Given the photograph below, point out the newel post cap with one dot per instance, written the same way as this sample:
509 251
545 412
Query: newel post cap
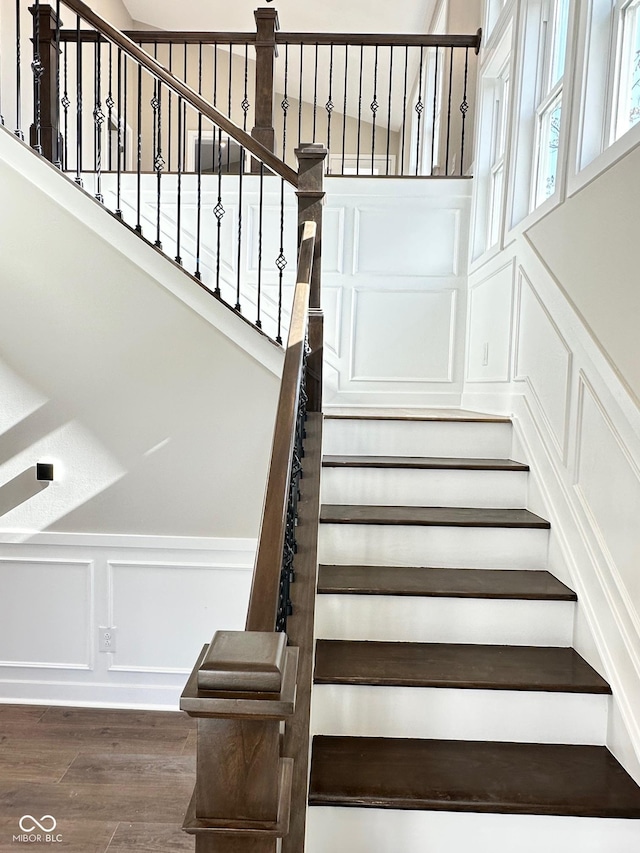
244 662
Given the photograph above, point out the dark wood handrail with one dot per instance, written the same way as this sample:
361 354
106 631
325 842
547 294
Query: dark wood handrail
182 90
263 601
351 39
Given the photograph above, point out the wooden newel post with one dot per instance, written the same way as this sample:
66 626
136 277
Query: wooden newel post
311 164
242 686
49 113
266 27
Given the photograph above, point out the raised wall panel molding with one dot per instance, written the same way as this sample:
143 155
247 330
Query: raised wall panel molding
496 323
163 609
332 299
400 252
543 359
607 486
37 593
417 355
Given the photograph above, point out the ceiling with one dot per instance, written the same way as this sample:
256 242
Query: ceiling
351 16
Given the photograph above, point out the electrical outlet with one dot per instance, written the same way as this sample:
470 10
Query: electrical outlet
485 354
106 639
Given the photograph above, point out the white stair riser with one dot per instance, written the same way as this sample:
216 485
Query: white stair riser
416 438
360 830
402 487
456 714
444 620
400 545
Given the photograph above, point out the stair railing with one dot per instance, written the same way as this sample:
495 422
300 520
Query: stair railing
112 116
251 787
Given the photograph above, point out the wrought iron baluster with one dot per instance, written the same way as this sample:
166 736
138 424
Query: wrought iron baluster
446 158
464 108
329 106
419 108
374 109
139 163
300 94
169 111
119 152
98 117
38 70
229 105
66 103
179 193
245 101
435 108
58 154
404 109
285 102
344 108
260 213
389 105
110 104
239 269
315 93
359 110
158 165
18 131
154 106
125 138
78 104
219 211
198 273
281 263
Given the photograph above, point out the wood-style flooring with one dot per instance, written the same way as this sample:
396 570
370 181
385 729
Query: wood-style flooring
116 781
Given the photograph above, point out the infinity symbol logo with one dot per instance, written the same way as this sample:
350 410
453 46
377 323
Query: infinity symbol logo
42 824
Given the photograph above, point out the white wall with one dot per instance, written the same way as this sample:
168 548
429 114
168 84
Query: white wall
152 400
394 290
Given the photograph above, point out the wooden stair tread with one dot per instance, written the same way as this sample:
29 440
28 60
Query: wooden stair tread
423 462
443 582
455 666
431 516
471 776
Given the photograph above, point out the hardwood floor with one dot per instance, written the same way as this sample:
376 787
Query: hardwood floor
116 781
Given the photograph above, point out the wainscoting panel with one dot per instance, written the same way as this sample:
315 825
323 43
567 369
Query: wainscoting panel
37 598
162 597
543 360
490 328
165 612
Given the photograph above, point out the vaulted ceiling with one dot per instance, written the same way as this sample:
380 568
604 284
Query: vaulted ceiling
352 16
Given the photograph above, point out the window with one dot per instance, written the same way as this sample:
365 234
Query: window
498 147
555 21
628 95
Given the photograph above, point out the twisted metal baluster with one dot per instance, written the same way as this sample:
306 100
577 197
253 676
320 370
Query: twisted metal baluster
219 211
38 70
78 177
419 108
329 106
281 263
58 155
98 118
374 109
285 102
464 108
18 131
158 165
110 104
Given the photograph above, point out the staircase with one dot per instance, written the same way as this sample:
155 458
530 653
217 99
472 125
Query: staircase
449 709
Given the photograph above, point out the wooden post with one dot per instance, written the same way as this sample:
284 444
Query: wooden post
266 27
241 687
311 157
49 115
